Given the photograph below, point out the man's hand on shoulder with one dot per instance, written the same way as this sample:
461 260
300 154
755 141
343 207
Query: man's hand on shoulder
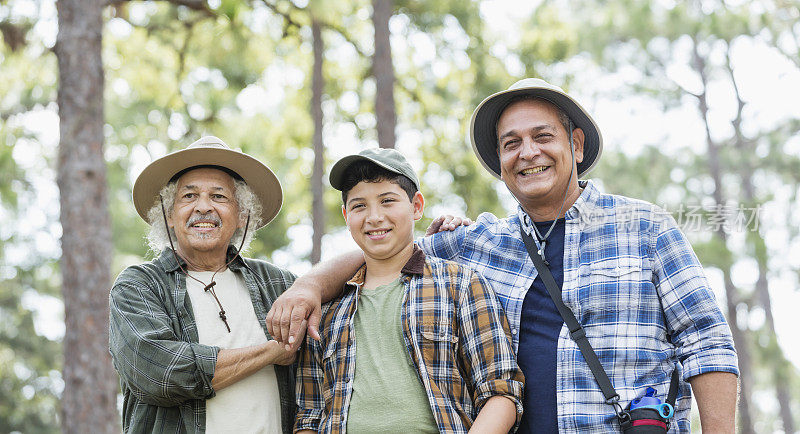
445 223
300 307
295 310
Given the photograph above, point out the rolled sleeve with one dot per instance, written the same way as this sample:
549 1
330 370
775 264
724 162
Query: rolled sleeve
696 324
511 389
158 367
486 348
310 403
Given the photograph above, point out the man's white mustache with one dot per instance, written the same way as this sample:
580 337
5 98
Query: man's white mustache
210 218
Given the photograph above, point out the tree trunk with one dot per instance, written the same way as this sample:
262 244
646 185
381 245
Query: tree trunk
317 87
740 337
742 344
780 366
88 403
383 71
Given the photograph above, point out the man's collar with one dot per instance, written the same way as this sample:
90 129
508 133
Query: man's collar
586 202
414 265
582 205
169 260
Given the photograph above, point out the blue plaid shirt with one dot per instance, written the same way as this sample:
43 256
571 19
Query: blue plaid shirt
633 282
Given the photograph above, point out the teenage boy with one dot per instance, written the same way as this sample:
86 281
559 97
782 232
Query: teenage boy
414 343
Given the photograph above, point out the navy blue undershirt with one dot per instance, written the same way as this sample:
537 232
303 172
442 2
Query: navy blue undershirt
540 325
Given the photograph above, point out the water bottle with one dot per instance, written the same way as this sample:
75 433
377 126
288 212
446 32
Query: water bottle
649 400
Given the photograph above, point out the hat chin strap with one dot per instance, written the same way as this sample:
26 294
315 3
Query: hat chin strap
210 286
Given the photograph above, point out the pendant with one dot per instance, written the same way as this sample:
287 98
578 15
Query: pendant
542 245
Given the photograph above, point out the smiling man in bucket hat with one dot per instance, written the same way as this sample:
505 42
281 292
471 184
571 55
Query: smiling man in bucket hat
187 332
624 268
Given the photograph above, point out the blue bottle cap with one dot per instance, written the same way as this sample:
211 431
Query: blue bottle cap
648 400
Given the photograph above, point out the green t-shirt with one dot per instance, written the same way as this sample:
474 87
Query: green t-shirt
388 395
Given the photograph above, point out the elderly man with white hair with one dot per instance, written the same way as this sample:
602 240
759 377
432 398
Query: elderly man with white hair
187 330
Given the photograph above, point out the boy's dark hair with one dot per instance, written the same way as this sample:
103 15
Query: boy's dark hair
365 171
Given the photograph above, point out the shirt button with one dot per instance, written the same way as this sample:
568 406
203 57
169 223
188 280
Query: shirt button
513 331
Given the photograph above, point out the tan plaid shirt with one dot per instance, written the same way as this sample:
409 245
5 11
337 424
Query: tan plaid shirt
455 332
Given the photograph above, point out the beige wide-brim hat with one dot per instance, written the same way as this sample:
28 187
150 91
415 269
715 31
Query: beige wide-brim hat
483 126
209 151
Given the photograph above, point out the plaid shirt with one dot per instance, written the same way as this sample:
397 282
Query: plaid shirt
633 282
165 374
455 333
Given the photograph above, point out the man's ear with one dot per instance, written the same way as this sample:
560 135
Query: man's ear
497 151
578 138
344 214
242 219
418 202
169 222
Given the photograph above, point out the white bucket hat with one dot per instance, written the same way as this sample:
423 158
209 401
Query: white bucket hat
483 126
209 151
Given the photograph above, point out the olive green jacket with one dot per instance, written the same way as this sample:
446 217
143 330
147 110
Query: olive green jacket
165 374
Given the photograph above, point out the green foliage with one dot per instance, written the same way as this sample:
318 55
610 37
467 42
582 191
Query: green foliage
642 176
9 173
438 106
547 38
30 379
241 70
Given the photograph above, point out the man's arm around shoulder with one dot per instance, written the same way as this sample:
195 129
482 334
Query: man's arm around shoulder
301 305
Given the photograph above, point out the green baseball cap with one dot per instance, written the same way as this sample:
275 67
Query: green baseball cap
389 159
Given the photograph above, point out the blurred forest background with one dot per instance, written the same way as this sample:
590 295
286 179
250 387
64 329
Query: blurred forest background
697 101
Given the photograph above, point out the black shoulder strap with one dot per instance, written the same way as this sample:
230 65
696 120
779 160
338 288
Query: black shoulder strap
578 334
672 395
575 330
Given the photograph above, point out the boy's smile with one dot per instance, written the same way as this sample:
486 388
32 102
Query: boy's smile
380 218
378 234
